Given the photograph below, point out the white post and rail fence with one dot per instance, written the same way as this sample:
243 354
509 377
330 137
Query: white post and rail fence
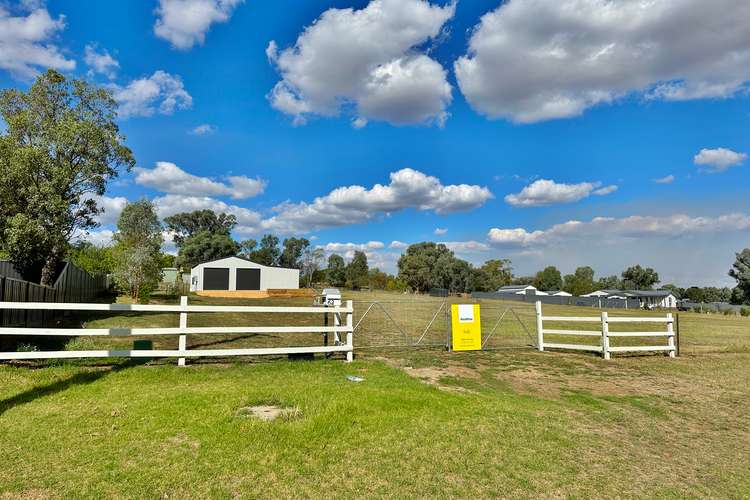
604 334
341 331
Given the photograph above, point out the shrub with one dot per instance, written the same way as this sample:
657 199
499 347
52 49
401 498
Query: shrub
728 312
745 311
144 295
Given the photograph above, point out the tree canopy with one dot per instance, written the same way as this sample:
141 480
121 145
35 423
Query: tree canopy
202 236
741 272
60 148
548 278
137 248
357 272
639 278
336 273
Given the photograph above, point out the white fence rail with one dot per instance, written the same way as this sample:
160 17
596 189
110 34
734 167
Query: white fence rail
340 329
604 334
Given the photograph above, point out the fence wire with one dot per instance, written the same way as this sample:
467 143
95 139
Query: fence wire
425 323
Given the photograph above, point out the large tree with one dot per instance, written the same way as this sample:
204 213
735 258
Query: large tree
357 272
548 278
310 263
580 282
205 247
137 249
494 274
268 252
294 248
639 278
202 236
187 224
336 272
741 272
422 265
60 148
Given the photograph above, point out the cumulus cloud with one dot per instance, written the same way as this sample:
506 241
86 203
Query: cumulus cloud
548 192
356 204
351 247
439 231
203 129
398 244
159 93
368 59
100 62
718 160
667 179
184 23
248 221
26 42
169 178
609 228
111 206
534 60
467 247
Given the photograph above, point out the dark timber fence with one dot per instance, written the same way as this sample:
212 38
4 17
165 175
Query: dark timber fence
72 285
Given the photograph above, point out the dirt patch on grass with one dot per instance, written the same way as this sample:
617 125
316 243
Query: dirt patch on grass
268 413
436 376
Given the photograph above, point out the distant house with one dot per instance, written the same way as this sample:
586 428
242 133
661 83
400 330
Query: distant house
647 298
521 290
235 274
559 293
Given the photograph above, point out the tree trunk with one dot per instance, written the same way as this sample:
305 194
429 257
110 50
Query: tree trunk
48 271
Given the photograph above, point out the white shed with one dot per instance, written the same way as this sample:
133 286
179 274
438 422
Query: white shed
235 273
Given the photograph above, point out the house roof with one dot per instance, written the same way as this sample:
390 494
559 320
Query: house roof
244 259
516 287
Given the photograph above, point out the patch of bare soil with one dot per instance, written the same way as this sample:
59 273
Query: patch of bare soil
268 413
433 375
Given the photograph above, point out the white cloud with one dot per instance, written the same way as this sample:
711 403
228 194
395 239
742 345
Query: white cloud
159 93
608 229
100 62
668 179
203 129
248 221
718 160
100 238
351 247
355 204
548 192
169 178
112 206
184 23
26 43
368 59
534 60
440 231
467 247
398 244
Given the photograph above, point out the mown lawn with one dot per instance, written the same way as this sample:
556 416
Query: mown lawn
424 423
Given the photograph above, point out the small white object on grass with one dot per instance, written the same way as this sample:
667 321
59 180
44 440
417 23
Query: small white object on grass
352 378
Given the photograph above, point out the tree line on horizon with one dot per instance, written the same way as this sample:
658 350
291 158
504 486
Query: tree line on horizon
62 145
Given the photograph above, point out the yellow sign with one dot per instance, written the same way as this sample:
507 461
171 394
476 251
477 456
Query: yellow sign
466 328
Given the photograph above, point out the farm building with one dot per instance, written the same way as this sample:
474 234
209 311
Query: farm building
648 298
521 290
236 274
559 293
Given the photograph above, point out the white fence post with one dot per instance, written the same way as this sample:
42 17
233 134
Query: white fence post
182 344
539 326
670 331
605 335
350 331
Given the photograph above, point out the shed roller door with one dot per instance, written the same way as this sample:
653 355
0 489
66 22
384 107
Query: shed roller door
216 278
248 279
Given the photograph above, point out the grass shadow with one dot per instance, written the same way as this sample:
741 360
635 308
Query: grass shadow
60 386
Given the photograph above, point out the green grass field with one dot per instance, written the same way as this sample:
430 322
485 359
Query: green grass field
504 422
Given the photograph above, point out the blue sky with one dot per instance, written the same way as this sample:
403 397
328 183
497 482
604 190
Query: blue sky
531 132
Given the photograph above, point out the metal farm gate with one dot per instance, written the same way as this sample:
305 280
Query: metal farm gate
423 322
